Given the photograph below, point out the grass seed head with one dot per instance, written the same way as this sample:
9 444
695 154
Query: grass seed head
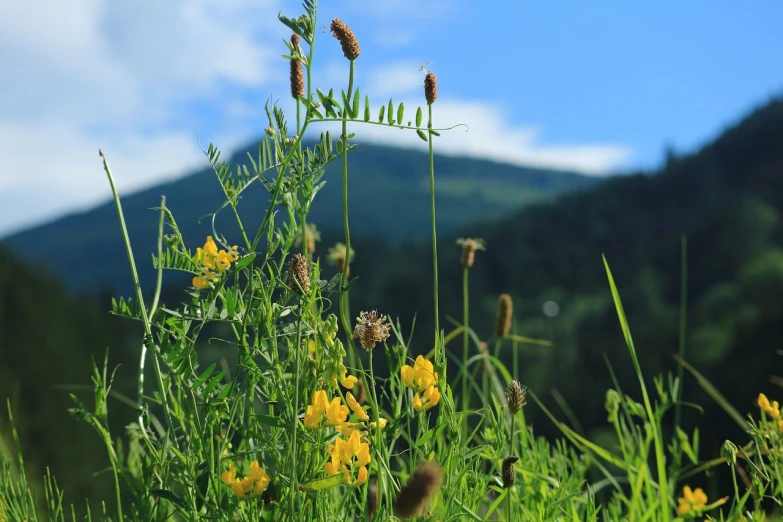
297 75
507 473
516 396
299 273
469 247
347 39
413 498
503 319
430 88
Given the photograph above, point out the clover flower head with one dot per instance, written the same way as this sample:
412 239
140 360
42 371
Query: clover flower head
371 328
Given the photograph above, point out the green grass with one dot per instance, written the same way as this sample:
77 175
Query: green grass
278 429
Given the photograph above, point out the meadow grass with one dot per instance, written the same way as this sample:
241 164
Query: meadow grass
321 413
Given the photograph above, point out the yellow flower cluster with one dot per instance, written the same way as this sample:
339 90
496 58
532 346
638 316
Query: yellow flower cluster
254 484
336 412
691 501
772 409
212 262
422 378
349 457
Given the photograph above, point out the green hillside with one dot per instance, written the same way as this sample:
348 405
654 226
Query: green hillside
389 198
726 199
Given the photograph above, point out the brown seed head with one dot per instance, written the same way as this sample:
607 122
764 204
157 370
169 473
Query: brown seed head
507 472
469 247
359 392
371 329
297 76
516 396
430 88
347 39
299 273
503 319
337 255
413 498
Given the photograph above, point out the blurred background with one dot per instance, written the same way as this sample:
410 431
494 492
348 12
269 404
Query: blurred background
611 129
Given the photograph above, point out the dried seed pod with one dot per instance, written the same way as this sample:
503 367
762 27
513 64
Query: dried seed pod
503 319
370 329
469 247
299 273
347 39
413 498
507 472
430 88
516 396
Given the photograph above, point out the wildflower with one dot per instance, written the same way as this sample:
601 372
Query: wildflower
420 376
430 88
337 255
503 319
349 457
349 381
314 411
771 409
347 39
371 329
414 496
516 396
469 247
255 483
356 407
297 77
212 262
691 501
336 412
299 273
428 399
507 472
381 422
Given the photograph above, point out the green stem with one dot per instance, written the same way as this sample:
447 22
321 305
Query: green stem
142 308
440 355
465 345
295 423
344 304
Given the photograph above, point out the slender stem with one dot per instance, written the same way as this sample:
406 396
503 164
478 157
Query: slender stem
465 345
294 428
440 355
344 304
683 325
142 308
159 282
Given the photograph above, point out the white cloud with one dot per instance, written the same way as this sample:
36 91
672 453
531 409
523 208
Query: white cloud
124 76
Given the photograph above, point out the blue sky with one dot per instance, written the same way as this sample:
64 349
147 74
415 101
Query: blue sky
600 87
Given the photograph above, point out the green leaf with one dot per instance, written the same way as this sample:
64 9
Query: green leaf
435 133
400 113
268 420
418 117
422 135
428 435
366 108
322 483
245 260
390 113
204 376
355 107
170 496
381 113
715 394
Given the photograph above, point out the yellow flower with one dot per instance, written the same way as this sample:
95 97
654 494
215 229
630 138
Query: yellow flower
383 422
349 457
773 410
348 381
428 399
314 411
255 483
211 260
691 501
356 407
336 413
763 402
420 376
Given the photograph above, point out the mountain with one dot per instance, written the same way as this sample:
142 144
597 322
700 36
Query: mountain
725 198
388 195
